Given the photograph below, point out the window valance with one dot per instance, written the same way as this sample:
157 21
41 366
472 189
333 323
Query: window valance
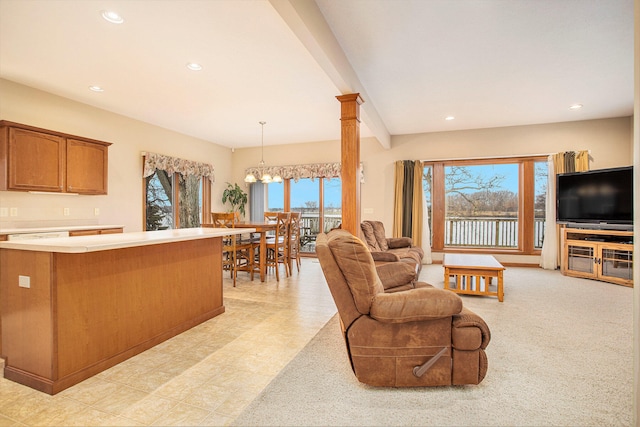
297 172
153 161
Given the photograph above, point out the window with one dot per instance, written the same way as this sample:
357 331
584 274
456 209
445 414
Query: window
318 200
159 201
332 206
488 203
177 192
540 202
305 198
275 196
190 196
160 211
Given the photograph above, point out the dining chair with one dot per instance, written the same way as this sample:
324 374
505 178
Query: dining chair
236 254
293 251
277 245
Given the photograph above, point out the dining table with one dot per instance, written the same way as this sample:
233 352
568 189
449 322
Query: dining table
262 228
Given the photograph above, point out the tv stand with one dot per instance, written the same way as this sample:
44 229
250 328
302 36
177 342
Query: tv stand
599 226
605 255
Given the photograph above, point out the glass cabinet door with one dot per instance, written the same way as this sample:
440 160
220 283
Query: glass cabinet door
617 263
580 258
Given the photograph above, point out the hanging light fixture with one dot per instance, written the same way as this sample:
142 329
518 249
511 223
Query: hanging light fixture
265 178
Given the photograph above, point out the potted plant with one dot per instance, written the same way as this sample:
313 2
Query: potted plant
236 197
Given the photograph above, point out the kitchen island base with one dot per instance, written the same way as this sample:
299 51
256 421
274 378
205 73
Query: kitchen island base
86 312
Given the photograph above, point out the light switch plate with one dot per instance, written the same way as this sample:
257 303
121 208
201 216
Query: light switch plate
24 281
4 211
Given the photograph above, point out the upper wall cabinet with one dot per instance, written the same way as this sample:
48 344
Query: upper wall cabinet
33 159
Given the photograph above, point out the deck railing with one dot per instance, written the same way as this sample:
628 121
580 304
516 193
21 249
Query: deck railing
488 232
477 232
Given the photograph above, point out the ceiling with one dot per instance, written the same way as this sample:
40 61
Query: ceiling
488 63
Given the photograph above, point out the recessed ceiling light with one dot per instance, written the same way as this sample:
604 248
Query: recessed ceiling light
575 107
193 66
96 88
112 17
449 118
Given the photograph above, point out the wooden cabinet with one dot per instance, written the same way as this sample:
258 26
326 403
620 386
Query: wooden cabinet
75 320
87 170
605 255
34 159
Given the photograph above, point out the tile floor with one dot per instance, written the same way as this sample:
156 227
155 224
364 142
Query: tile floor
205 376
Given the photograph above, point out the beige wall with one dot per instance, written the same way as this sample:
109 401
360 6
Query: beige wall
123 204
610 142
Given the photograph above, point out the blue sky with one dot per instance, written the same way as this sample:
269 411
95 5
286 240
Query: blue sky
306 190
508 171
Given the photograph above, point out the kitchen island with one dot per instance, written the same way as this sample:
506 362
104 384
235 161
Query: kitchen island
72 307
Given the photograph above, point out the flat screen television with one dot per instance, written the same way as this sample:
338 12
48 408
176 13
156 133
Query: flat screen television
601 197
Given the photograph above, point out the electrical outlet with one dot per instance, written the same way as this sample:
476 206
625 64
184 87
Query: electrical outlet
96 211
24 281
65 212
368 210
14 212
4 211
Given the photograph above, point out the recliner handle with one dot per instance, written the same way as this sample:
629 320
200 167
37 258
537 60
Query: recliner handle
419 371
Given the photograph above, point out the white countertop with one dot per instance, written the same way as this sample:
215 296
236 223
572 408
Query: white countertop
57 228
103 242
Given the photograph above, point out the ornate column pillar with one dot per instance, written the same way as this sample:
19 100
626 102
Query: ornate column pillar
350 158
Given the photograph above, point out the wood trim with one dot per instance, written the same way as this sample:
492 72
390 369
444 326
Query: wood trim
206 201
287 195
437 206
350 157
526 205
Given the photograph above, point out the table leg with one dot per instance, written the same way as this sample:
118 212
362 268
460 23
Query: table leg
263 255
500 287
446 277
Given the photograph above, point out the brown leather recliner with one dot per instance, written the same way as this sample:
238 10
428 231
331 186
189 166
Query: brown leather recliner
390 249
419 337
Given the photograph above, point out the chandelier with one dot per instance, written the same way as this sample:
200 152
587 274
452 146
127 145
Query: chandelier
265 178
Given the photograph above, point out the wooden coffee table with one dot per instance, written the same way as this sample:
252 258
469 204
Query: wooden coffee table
473 274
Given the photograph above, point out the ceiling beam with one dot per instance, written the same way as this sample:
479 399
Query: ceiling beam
306 21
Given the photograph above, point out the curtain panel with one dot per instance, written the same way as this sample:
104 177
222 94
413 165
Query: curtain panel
408 211
153 161
564 162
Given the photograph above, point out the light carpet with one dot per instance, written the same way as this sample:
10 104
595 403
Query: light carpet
560 355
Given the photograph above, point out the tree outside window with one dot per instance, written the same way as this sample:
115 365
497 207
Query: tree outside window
161 212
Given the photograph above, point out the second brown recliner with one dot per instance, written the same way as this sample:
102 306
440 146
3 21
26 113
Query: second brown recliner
390 249
418 337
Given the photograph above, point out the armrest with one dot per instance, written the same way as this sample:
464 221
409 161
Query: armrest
385 256
415 305
468 319
399 242
396 274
